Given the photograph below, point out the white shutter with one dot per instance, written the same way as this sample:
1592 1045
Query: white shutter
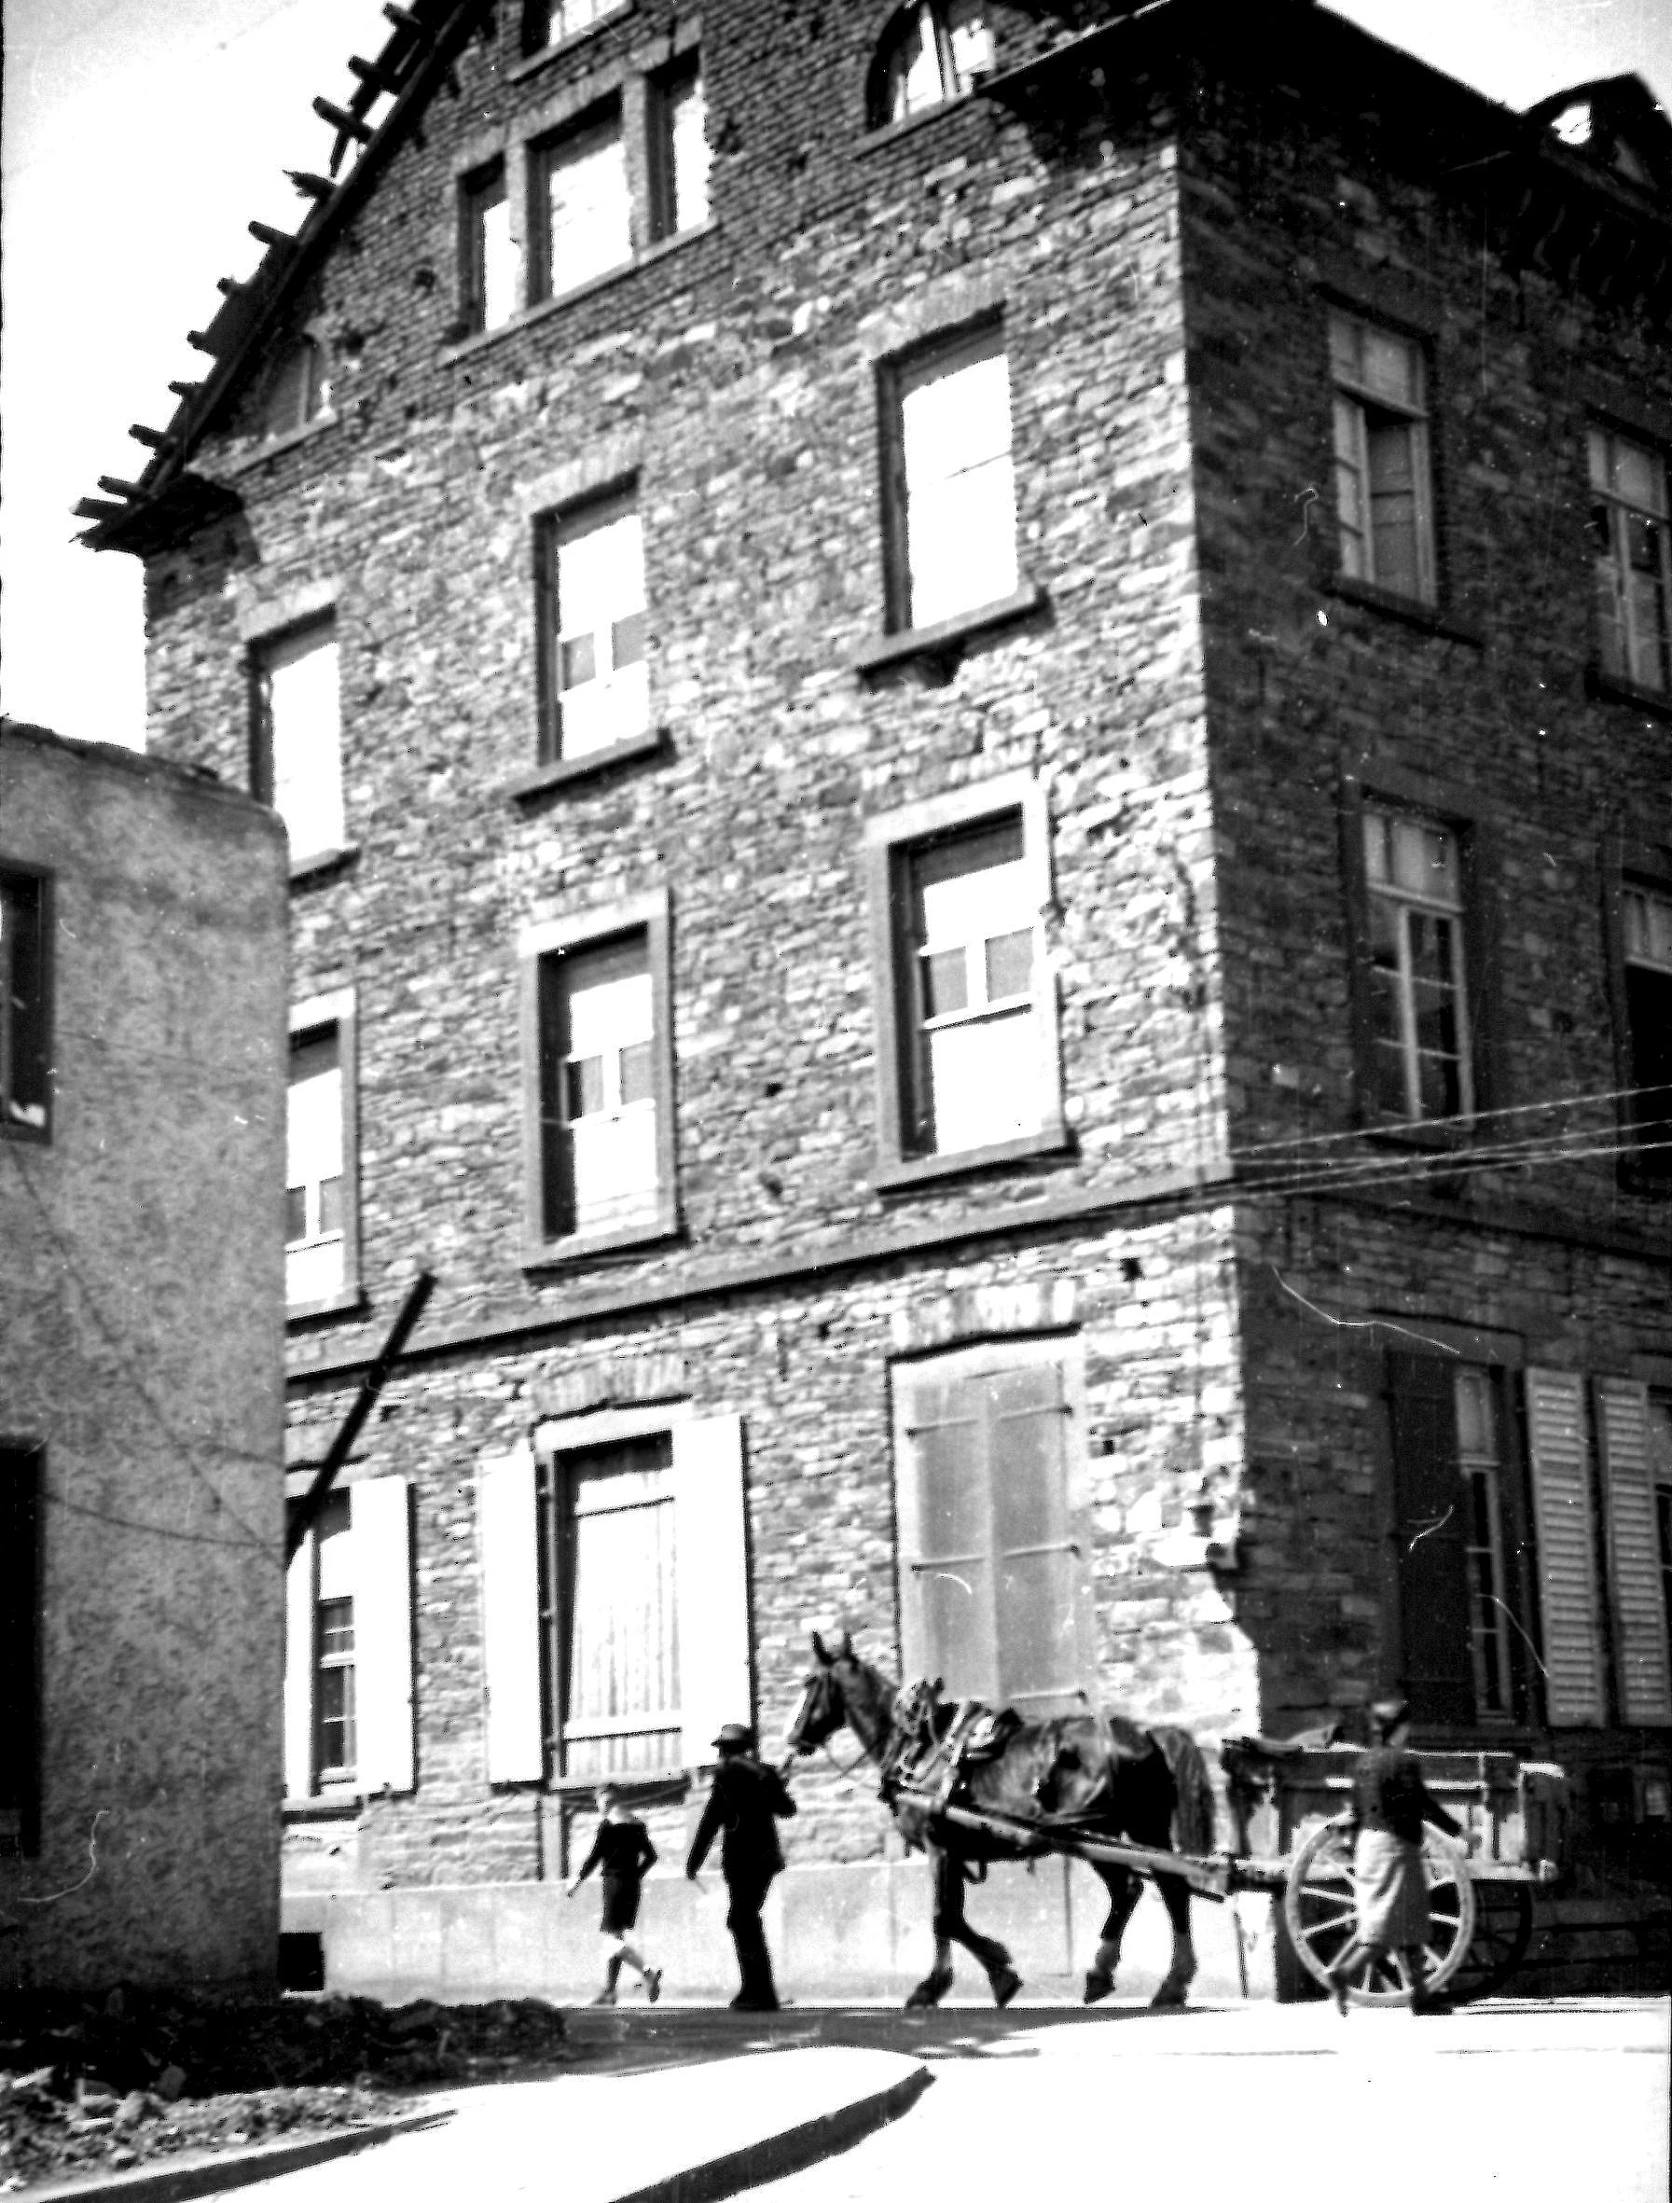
506 1514
299 1671
713 1581
1633 1553
1561 1463
382 1633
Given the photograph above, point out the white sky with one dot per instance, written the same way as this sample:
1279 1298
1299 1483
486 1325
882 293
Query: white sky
141 137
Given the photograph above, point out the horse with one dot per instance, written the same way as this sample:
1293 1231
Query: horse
1099 1773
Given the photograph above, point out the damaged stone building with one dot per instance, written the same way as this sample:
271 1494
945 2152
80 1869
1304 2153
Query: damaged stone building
975 713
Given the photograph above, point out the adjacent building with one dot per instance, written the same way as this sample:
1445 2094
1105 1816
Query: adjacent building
975 708
142 1005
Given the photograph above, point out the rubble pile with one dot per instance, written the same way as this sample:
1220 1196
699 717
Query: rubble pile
89 2085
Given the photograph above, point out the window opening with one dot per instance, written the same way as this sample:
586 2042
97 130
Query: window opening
1418 1014
315 1237
490 257
299 390
299 738
953 488
598 680
25 1069
1383 489
679 152
598 1102
582 210
1630 541
933 52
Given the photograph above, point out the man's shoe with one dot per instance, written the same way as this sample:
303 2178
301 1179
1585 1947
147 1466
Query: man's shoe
604 1996
754 2004
653 1982
1338 1992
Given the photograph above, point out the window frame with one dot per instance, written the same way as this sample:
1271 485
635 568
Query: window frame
880 77
1626 678
318 1014
1631 867
1354 392
647 914
1474 827
541 153
661 88
604 11
888 840
481 188
260 648
895 372
42 1045
22 1627
614 500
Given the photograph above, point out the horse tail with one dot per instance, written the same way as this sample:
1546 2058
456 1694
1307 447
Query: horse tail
1193 1810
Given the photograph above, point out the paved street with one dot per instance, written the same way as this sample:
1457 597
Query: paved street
1523 2102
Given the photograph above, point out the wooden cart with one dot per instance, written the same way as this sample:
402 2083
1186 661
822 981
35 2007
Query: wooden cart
1289 1837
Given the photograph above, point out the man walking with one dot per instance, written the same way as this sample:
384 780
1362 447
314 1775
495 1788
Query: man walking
1390 1883
746 1802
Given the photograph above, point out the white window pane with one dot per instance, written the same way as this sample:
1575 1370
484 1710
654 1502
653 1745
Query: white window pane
304 724
972 41
1344 348
498 263
915 76
961 544
688 146
605 711
971 906
615 1168
1639 477
587 207
1392 366
313 1273
1474 1413
1648 929
955 418
600 573
314 1129
610 1015
985 1080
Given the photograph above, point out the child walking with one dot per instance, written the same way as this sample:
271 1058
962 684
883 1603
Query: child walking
623 1853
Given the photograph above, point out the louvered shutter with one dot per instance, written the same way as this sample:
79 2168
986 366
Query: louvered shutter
1035 1554
508 1526
1560 1454
1640 1645
380 1519
946 1535
1431 1531
712 1579
299 1671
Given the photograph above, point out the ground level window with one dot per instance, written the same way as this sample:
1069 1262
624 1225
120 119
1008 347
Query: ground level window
610 1609
334 1737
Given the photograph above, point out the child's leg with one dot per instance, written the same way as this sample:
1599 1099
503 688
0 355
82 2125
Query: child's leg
632 1957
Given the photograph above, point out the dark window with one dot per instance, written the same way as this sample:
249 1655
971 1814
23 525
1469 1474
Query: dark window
20 1631
1383 490
610 1609
1632 555
299 389
679 159
25 1004
1459 1541
931 52
1648 993
488 259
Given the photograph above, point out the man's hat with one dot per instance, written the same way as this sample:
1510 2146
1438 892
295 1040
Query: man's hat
735 1734
1388 1713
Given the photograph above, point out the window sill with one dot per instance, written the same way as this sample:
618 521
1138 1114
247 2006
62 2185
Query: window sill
916 1170
328 1805
889 133
532 64
351 1300
35 1135
560 1254
561 771
946 638
274 447
1613 688
321 862
479 340
1412 610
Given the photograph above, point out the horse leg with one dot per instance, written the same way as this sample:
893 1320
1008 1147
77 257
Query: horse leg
1175 1895
951 1920
1124 1889
938 1980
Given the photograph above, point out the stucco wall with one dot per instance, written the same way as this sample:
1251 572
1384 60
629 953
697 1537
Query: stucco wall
140 1347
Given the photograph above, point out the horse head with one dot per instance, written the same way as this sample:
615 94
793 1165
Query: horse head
841 1689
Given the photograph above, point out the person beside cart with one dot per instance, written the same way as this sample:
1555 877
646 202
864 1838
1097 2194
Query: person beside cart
623 1853
1390 1882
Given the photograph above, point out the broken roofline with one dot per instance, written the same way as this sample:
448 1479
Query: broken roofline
425 43
429 36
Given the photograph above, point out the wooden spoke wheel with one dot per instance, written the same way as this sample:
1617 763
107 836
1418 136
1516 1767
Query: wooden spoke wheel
1503 1930
1318 1910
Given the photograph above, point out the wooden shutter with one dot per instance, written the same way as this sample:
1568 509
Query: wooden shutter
299 1671
1640 1644
1036 1557
511 1617
711 1560
946 1534
1560 1455
378 1510
1430 1529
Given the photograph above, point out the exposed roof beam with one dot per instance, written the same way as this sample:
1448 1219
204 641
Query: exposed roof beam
345 124
310 185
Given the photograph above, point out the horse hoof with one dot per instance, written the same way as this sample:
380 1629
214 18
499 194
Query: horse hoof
926 1996
1168 1998
1098 1986
1005 1985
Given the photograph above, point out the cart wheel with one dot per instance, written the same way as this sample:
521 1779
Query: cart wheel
1318 1910
1503 1930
